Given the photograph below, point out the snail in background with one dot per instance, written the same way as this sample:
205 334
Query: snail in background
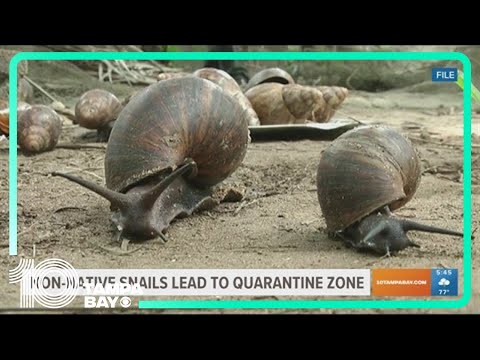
5 115
97 109
169 146
24 97
270 75
362 176
276 103
38 129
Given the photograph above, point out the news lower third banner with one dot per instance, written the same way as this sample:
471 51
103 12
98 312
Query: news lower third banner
55 284
208 282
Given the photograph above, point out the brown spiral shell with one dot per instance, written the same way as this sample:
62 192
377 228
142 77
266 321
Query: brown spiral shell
267 101
364 170
170 121
334 96
39 128
276 103
4 117
5 114
96 108
275 75
230 85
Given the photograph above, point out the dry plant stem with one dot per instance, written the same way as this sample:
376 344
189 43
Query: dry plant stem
39 88
81 146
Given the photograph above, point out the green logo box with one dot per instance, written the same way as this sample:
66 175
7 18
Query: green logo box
315 56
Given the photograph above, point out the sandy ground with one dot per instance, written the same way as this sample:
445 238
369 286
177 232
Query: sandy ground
279 225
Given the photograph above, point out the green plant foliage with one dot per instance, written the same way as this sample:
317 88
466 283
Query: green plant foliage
475 91
173 48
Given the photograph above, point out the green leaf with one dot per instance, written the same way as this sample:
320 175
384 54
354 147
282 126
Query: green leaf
475 91
173 48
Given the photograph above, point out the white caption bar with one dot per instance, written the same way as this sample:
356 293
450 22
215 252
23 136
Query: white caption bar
221 282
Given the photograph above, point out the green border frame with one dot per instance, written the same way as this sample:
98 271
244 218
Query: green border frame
257 304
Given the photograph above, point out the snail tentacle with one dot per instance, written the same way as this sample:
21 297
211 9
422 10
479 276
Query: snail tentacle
408 225
117 199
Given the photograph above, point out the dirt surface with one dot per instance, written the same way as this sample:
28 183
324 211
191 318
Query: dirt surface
278 224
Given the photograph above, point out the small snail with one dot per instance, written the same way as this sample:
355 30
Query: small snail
170 144
364 175
97 109
275 75
276 103
5 115
39 128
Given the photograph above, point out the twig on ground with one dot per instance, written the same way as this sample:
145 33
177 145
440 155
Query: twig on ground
244 204
81 146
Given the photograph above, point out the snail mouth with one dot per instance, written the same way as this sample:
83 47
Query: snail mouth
179 199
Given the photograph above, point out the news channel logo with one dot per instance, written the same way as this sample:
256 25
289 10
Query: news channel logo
52 283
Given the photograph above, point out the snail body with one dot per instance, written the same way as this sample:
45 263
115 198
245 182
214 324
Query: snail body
276 103
170 144
38 128
97 109
364 175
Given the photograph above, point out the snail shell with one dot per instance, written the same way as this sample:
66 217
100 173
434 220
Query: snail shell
230 85
172 120
96 108
171 143
275 75
5 114
364 170
39 128
286 104
334 96
267 101
364 175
